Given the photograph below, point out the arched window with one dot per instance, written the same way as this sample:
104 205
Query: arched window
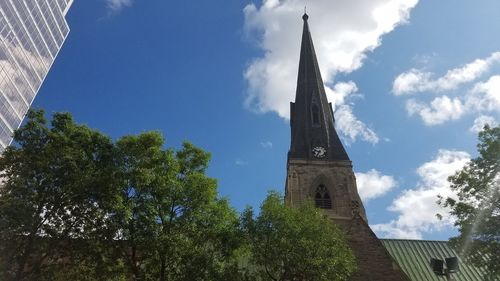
315 114
322 198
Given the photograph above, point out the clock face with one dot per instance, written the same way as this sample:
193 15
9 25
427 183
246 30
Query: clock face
319 152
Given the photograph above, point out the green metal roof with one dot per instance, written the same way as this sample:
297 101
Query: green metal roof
413 256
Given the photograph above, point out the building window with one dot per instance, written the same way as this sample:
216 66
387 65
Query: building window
322 198
315 114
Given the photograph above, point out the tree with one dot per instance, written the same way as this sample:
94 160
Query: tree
175 226
477 205
295 244
57 184
75 205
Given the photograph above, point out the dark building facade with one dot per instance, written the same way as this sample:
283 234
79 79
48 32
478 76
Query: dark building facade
319 168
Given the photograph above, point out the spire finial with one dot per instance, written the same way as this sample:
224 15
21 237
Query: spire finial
305 16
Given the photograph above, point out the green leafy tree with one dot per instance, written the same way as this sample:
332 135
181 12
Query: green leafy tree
295 243
477 205
175 226
56 186
76 206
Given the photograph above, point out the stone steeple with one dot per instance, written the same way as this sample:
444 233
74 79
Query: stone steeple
311 116
318 165
319 170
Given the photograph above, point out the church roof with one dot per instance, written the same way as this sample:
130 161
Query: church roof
413 256
311 93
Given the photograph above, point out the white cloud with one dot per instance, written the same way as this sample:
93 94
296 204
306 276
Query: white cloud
440 110
481 121
417 207
341 92
343 32
117 5
346 122
410 81
373 184
415 81
351 128
266 144
484 97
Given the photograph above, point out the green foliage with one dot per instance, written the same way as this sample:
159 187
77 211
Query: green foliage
296 244
176 226
74 205
477 206
56 186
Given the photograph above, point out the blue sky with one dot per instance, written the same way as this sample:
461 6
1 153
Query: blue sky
410 80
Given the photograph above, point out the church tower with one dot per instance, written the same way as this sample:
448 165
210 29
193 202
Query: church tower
319 169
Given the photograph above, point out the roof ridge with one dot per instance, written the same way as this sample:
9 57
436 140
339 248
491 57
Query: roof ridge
423 240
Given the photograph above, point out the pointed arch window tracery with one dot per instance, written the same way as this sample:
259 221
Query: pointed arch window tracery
322 198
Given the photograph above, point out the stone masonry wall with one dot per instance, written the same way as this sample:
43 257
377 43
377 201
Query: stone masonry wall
373 260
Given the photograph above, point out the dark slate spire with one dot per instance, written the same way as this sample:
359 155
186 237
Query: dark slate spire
311 116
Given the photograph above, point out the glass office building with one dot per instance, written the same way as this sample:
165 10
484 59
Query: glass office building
31 34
